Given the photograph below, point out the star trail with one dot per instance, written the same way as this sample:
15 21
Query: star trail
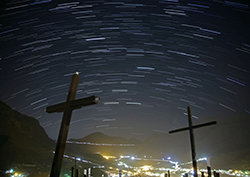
146 60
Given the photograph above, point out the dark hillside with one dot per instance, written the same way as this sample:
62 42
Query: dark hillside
23 141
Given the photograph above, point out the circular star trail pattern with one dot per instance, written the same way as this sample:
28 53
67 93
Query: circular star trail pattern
146 60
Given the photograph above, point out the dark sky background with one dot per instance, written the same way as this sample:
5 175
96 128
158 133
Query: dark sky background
147 60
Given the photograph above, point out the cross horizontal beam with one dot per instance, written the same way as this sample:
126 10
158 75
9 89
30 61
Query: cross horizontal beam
195 126
75 104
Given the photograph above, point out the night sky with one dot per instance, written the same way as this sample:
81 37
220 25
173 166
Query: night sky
147 60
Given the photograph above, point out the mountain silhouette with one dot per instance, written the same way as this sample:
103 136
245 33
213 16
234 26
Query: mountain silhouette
25 146
23 141
99 143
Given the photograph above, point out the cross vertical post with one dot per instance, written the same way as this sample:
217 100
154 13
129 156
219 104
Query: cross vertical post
67 107
191 134
62 137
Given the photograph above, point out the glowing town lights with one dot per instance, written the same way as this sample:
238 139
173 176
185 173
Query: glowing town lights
9 171
151 170
175 164
191 171
149 173
109 157
162 175
120 164
146 167
202 159
190 162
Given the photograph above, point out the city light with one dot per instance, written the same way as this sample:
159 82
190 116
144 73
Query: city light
108 157
151 170
9 171
14 174
146 167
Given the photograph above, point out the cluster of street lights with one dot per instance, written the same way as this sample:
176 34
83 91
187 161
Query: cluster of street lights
12 173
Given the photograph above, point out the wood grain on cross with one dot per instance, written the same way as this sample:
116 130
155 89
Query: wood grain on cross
67 108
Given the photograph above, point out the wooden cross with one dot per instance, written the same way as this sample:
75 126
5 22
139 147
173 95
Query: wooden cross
191 133
67 107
